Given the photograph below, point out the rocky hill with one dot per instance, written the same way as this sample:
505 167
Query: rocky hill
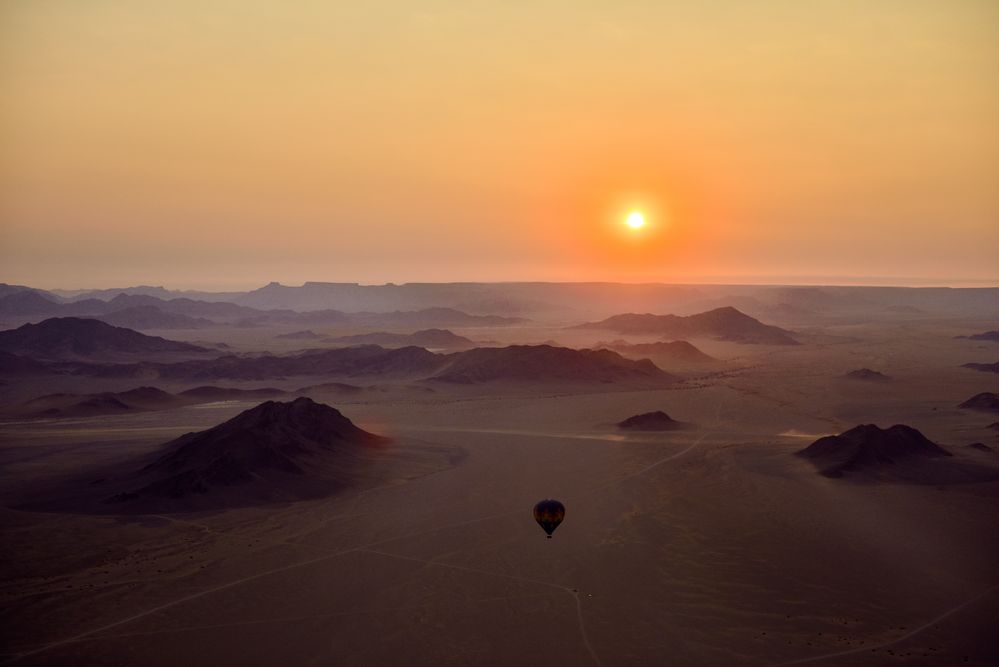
725 323
73 338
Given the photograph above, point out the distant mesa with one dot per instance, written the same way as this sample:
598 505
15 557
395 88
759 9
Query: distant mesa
985 368
986 335
982 447
436 338
727 324
650 421
985 401
546 364
869 448
73 338
867 375
677 350
307 334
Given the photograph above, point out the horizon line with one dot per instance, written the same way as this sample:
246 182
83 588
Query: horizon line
713 281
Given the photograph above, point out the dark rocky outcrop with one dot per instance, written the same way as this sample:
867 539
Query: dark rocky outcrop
725 323
985 401
867 375
650 421
985 368
870 448
274 451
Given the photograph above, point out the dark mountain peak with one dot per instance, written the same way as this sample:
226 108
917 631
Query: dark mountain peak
650 421
302 415
264 449
986 401
868 447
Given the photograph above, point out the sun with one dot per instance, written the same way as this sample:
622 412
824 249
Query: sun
635 220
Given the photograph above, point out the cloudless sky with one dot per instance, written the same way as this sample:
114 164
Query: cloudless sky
227 143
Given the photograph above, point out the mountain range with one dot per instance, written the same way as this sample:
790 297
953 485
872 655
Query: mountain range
72 338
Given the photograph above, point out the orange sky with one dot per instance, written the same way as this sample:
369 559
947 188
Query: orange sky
226 144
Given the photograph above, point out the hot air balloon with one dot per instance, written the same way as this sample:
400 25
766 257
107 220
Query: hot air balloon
549 514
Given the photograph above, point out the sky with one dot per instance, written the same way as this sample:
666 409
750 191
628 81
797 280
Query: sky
228 143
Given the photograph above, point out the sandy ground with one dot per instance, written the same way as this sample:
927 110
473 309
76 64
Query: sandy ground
709 546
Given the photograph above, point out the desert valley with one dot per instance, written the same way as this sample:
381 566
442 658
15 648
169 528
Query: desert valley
344 474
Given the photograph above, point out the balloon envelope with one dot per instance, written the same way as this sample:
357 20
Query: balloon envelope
549 514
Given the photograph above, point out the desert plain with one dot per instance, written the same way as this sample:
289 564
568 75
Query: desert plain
709 544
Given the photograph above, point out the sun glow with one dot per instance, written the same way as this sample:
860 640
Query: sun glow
635 220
